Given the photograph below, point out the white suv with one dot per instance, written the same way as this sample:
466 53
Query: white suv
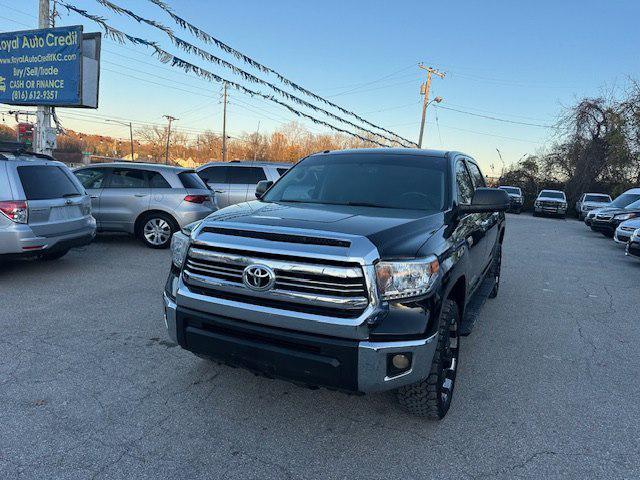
44 210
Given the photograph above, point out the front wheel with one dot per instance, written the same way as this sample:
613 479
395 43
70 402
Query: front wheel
496 269
431 398
156 230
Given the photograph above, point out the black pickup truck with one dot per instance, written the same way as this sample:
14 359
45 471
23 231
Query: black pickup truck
358 271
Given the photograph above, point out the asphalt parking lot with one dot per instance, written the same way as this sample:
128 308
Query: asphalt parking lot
548 387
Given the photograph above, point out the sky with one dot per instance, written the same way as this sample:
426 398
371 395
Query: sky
513 60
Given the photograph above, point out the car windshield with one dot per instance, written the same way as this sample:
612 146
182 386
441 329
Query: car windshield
625 199
597 198
550 194
511 190
633 206
413 182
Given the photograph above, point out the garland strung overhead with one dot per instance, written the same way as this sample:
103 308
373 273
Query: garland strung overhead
205 37
192 49
166 57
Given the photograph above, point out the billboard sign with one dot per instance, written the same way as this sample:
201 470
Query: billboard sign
42 67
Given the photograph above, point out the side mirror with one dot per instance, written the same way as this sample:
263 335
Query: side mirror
487 200
263 186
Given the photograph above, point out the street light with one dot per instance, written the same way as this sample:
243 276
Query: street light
126 124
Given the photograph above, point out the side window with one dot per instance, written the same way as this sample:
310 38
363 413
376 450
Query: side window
214 174
260 175
91 177
156 180
244 175
465 186
123 178
476 175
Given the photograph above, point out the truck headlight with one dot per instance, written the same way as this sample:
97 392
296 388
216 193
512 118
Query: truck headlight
636 236
404 279
625 216
179 248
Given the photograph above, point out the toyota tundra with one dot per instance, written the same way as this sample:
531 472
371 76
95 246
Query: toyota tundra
359 271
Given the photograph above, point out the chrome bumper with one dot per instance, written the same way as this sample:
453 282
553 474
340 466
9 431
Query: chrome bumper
372 356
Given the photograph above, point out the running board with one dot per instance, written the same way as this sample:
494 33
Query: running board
472 312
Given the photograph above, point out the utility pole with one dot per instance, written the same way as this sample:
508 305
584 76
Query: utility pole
257 143
426 102
501 161
126 124
166 150
45 137
224 123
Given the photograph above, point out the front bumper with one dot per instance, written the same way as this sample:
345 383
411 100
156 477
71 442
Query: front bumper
607 227
555 210
310 359
633 249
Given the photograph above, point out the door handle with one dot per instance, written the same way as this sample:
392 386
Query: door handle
140 195
218 191
94 196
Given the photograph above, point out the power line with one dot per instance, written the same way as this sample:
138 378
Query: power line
504 120
167 57
193 49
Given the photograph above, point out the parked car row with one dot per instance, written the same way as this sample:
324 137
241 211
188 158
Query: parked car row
554 202
619 220
46 209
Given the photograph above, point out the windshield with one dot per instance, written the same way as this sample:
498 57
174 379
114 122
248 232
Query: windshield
633 206
550 194
625 199
511 190
597 198
413 182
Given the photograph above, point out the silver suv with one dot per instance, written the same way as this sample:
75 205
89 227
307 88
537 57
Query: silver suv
149 201
235 182
44 211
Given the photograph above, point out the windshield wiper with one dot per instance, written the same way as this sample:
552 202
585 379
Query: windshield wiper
67 195
364 204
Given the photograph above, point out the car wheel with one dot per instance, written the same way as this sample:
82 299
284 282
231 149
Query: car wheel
47 256
156 230
535 214
431 398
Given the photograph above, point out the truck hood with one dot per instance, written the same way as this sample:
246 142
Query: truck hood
394 232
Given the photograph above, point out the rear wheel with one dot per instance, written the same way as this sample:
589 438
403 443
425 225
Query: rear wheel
53 255
156 230
431 398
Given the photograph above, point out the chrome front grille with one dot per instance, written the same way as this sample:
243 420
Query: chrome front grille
299 282
604 217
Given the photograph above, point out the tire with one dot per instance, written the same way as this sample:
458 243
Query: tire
536 214
155 230
431 398
48 256
496 269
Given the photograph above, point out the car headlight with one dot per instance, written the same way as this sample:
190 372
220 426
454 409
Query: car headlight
404 279
636 236
625 216
179 248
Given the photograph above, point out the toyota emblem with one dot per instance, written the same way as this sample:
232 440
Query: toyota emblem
258 277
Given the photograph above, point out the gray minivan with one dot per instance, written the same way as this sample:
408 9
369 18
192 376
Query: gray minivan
235 182
150 201
44 211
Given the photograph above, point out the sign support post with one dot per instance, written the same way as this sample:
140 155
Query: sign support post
45 141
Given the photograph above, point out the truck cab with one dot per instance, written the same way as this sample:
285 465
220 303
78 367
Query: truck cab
359 271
